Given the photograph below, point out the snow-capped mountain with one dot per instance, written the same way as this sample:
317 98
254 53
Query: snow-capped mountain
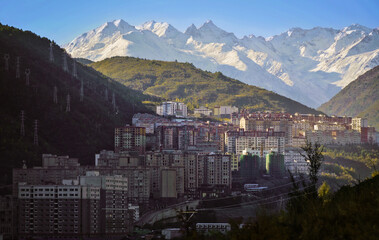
309 66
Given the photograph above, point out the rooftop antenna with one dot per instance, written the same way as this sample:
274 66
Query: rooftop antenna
68 107
22 130
6 58
51 58
36 132
65 68
55 95
18 67
81 90
27 75
74 72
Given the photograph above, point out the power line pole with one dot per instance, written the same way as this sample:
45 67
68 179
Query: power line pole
184 217
55 95
74 72
68 107
114 102
65 68
18 67
6 58
22 129
81 90
106 94
36 132
51 58
27 74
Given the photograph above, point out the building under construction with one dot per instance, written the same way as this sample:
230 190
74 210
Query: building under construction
249 167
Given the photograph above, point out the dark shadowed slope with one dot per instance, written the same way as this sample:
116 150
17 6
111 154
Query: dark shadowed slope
86 129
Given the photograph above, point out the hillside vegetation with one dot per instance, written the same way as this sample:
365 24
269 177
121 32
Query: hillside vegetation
349 213
359 98
182 81
85 130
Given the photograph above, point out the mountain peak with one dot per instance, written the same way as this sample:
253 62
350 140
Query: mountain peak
147 25
357 27
209 22
323 57
116 25
191 30
209 25
159 28
119 22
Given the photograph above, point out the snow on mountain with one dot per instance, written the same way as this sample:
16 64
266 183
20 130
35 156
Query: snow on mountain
307 65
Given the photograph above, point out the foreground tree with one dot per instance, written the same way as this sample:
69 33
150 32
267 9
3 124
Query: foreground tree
324 192
313 155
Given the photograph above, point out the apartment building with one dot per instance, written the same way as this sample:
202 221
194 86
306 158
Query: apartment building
217 170
261 124
237 141
368 135
43 176
8 217
170 108
358 123
130 139
295 161
337 137
51 210
275 164
202 111
50 160
91 206
225 111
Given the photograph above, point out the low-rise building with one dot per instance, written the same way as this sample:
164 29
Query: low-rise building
202 111
213 227
224 111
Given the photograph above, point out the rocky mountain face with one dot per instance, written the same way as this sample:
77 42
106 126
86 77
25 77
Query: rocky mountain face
307 65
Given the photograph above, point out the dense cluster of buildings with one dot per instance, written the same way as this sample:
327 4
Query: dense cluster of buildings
300 128
179 109
170 160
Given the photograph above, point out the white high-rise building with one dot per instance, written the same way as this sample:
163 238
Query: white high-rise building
177 109
358 123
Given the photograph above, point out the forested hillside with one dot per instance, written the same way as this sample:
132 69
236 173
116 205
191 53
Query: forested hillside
358 99
81 132
174 80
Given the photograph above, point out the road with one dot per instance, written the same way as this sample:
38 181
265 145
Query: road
169 212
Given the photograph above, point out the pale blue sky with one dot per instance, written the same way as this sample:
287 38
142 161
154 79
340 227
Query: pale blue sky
62 21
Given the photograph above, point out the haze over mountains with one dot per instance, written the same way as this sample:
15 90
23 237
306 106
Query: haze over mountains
309 66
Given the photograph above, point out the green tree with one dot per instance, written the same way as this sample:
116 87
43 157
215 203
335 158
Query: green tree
325 192
313 155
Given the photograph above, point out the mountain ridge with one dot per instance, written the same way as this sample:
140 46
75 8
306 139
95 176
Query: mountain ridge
358 99
307 65
195 87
